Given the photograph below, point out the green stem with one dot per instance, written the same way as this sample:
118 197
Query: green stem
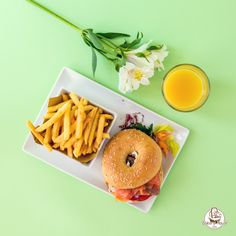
54 14
103 54
110 44
107 41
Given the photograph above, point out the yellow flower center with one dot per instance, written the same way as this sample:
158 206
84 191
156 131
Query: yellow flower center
138 74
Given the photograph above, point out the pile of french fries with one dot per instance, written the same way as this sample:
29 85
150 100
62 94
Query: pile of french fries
73 126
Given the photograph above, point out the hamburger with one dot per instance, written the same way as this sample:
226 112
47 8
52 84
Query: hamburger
132 166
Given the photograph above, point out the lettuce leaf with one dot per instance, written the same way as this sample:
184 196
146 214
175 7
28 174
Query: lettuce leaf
146 129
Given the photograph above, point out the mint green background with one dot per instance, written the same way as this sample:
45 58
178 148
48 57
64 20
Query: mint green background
36 199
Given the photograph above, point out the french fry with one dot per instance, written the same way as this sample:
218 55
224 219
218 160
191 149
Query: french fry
60 138
56 145
48 135
72 125
74 107
76 113
56 107
101 123
89 150
108 117
94 148
66 123
69 152
75 99
48 115
79 125
83 149
61 146
77 149
54 118
38 136
80 120
85 101
93 129
89 125
56 129
86 120
88 107
105 135
72 116
86 159
70 142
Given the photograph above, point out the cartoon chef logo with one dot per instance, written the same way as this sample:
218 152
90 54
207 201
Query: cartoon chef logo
214 218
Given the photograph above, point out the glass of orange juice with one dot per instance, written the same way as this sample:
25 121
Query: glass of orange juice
186 87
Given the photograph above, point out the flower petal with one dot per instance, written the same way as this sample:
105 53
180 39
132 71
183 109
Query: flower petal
158 56
135 84
145 81
139 61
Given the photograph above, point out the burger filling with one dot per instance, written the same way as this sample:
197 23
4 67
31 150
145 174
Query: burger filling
152 187
141 193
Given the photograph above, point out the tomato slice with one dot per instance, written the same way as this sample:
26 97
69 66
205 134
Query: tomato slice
140 197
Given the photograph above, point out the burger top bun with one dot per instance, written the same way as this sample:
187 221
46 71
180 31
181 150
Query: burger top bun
130 159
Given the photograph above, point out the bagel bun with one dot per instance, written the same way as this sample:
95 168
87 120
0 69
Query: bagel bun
131 159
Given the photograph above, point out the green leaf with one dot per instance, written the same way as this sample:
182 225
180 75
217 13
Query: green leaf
94 39
119 63
146 129
141 54
117 67
152 47
134 43
112 35
125 44
86 40
137 40
94 61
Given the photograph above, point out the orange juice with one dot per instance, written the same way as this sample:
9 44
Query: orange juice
185 87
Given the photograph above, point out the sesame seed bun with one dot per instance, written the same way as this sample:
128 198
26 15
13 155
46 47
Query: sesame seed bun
146 164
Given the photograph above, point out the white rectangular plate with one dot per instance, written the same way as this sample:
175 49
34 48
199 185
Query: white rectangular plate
92 174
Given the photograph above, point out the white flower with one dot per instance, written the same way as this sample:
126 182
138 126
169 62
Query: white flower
131 76
155 57
139 61
137 69
158 56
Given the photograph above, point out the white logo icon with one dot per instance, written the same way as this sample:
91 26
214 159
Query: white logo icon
214 218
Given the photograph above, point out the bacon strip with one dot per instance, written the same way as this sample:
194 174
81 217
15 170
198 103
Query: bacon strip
141 193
